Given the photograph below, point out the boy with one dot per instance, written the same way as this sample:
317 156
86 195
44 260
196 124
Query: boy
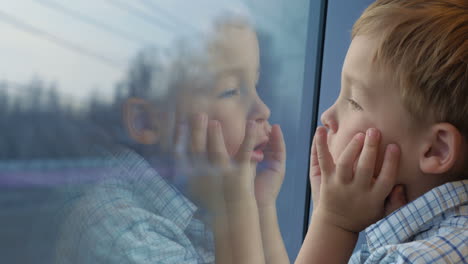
404 86
137 217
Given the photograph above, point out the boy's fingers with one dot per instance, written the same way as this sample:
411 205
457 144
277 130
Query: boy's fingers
366 164
314 163
217 152
199 125
245 151
314 174
324 157
387 177
345 164
313 152
395 200
277 147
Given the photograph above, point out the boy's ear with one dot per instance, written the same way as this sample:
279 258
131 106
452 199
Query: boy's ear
441 150
140 119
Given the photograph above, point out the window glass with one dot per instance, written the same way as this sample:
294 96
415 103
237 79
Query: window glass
98 105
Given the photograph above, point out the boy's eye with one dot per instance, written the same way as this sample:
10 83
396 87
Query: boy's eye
229 93
355 105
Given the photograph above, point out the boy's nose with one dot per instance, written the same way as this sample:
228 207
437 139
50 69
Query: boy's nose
327 120
261 112
323 119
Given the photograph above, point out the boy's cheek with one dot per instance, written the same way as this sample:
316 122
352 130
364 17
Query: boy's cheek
233 138
337 143
336 147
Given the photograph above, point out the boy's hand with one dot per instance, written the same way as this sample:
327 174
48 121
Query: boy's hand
240 174
394 201
230 197
315 174
270 175
204 182
350 197
218 177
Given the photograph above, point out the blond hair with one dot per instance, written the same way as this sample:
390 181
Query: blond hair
424 44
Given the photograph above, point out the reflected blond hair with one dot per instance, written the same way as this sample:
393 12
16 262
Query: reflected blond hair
424 44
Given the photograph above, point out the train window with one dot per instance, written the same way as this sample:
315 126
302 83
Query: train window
102 104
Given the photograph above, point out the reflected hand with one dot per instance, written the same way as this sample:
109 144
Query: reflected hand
205 185
240 173
216 177
270 177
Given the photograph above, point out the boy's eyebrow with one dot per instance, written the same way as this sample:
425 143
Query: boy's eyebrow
236 71
355 81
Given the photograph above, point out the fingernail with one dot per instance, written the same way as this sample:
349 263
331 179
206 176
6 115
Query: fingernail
359 136
214 123
392 148
320 131
372 133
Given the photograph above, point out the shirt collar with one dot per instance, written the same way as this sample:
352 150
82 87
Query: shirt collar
418 216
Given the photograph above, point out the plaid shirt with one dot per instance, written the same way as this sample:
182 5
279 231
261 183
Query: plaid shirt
431 229
133 216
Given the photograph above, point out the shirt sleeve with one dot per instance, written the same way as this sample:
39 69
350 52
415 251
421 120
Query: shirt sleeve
113 227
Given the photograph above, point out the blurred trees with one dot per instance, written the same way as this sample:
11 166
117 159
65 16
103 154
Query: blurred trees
35 123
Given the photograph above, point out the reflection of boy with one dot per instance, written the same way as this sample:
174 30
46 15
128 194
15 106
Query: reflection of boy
406 74
136 217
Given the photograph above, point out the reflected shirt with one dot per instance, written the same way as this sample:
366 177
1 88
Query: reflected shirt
133 216
431 229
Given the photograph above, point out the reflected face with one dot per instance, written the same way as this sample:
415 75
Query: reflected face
369 99
233 98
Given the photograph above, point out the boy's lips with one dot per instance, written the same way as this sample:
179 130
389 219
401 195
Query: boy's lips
257 154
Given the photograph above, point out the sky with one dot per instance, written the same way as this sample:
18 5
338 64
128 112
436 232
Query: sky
85 46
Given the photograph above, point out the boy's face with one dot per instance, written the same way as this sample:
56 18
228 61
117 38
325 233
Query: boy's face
233 99
370 99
